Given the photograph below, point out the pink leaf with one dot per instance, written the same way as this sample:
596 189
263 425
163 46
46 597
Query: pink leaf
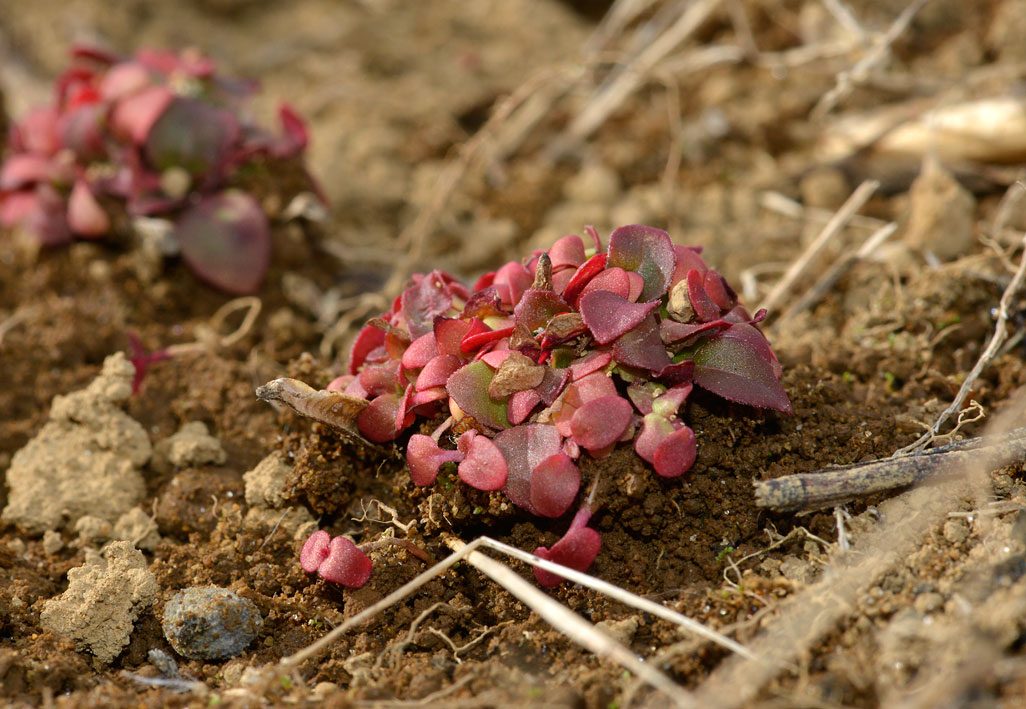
23 170
688 257
568 251
134 116
552 385
582 391
315 551
648 251
423 301
521 404
367 340
554 485
377 421
420 351
85 215
537 307
737 371
123 79
654 431
483 468
612 279
511 280
609 315
591 362
577 550
523 448
675 454
600 422
226 241
449 333
37 132
295 135
424 457
346 564
719 291
437 372
671 331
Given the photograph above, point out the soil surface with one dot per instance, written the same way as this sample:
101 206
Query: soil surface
728 146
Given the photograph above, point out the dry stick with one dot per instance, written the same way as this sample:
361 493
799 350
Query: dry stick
841 267
824 488
572 625
806 617
631 75
854 203
993 347
847 80
625 597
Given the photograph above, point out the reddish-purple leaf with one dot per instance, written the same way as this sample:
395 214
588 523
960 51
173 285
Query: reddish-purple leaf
591 362
688 258
22 170
675 454
637 286
377 379
642 395
377 421
577 550
554 485
537 307
427 396
346 564
85 215
719 291
587 270
484 303
670 401
437 371
134 116
671 331
123 79
523 448
614 280
642 347
315 551
521 404
367 340
226 241
701 303
511 281
81 131
600 422
609 315
753 337
423 301
425 457
449 333
483 467
734 369
579 393
295 136
568 251
648 251
420 351
192 135
468 387
654 431
475 340
552 385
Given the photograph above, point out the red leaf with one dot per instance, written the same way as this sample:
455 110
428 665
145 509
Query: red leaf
642 347
675 454
648 251
420 351
85 215
588 270
377 421
424 457
346 564
368 339
568 251
591 362
737 371
600 422
577 549
701 303
468 387
423 301
483 468
719 291
609 315
226 241
612 279
437 372
523 448
554 485
449 333
537 307
315 551
521 404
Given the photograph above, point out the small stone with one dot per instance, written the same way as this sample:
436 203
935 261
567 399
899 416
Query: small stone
139 528
53 542
210 623
323 690
265 482
928 602
191 446
622 631
956 531
941 213
92 531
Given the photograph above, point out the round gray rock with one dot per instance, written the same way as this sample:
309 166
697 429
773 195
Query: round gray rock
210 623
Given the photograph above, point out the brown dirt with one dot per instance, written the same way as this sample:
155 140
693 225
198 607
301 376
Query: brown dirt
391 88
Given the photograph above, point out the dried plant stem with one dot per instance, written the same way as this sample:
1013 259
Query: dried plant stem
849 79
997 339
855 202
841 267
572 625
824 488
629 76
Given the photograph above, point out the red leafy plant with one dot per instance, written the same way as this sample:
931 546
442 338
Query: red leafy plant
575 351
158 134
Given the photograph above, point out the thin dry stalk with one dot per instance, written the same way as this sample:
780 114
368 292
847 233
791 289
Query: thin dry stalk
572 625
997 339
838 270
849 79
806 617
630 76
854 203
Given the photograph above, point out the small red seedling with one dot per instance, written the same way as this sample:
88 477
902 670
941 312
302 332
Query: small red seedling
341 561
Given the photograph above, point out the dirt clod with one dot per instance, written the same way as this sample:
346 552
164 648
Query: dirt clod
210 623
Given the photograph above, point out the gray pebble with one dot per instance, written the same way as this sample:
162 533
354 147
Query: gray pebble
210 623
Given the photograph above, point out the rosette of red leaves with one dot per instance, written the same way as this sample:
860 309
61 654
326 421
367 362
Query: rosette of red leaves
158 134
575 351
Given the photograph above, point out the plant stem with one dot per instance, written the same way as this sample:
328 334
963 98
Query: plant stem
395 541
